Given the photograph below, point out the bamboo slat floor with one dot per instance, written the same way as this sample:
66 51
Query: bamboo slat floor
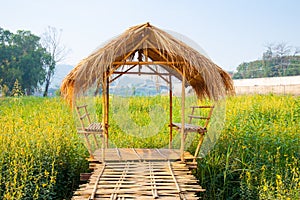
137 154
140 180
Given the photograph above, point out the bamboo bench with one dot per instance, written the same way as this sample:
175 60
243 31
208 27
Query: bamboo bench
89 128
198 128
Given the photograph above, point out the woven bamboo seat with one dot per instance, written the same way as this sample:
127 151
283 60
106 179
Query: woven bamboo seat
94 127
201 129
191 127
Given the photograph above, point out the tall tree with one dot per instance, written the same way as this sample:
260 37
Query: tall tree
32 60
51 41
21 58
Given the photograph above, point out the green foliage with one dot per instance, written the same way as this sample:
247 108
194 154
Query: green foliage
286 66
278 60
41 155
22 58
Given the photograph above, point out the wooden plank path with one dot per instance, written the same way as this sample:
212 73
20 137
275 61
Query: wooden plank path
139 180
138 154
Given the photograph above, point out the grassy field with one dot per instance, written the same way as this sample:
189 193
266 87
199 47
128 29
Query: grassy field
256 157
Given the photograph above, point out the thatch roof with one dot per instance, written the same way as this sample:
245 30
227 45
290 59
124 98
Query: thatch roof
152 45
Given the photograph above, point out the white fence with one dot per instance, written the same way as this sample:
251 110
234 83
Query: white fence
275 85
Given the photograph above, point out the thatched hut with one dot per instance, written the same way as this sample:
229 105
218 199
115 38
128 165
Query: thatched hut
146 45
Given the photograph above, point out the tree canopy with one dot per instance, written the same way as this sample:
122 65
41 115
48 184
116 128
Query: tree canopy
278 60
22 59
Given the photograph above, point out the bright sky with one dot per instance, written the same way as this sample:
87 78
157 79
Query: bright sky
230 31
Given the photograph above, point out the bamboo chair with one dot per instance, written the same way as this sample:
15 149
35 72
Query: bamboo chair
89 128
192 127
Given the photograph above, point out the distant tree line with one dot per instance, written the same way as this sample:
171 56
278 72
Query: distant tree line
278 60
28 61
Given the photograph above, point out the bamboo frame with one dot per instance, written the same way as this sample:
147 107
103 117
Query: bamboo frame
182 116
148 63
125 72
105 108
145 73
159 74
171 112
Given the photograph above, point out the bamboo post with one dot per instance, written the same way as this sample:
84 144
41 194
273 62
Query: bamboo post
171 112
107 109
145 50
182 116
104 108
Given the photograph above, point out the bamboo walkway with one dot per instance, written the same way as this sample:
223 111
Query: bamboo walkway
138 174
139 180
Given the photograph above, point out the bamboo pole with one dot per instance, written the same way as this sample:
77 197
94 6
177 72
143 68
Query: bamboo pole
148 63
145 73
171 112
121 73
92 197
107 109
155 72
145 47
182 115
104 108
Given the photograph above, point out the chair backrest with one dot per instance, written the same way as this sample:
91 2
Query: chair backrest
201 113
83 115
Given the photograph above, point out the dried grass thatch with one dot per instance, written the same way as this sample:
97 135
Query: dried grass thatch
152 46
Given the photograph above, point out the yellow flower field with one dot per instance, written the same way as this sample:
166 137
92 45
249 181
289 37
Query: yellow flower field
256 157
41 155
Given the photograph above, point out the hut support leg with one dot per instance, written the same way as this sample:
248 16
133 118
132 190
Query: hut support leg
182 116
171 114
105 108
